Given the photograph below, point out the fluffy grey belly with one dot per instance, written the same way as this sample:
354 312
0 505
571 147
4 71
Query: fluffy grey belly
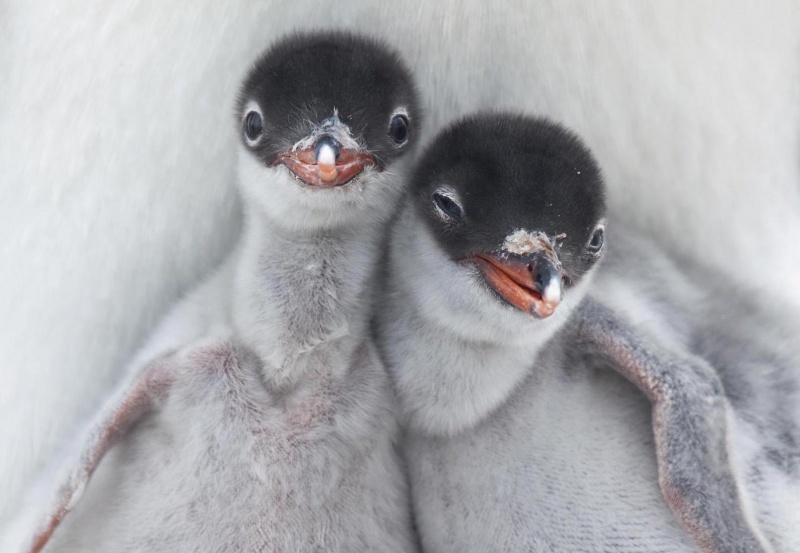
568 464
221 467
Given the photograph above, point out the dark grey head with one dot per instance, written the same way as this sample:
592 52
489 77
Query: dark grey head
333 111
519 198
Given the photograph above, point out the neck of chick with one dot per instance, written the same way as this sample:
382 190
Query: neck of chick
454 351
302 298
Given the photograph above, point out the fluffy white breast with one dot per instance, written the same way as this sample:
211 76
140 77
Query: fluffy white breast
567 463
227 466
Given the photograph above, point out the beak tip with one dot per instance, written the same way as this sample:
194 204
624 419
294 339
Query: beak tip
552 296
326 156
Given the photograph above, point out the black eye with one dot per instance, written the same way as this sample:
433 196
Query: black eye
253 125
398 128
448 207
596 243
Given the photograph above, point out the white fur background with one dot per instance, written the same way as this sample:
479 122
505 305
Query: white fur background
116 160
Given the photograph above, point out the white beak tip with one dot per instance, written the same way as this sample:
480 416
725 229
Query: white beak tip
326 155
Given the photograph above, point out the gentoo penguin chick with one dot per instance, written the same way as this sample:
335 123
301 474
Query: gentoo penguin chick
516 438
275 431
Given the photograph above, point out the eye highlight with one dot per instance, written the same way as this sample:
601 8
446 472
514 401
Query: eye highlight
398 128
596 242
447 208
253 125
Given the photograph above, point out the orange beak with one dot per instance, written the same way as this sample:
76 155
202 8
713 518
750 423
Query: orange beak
532 284
325 164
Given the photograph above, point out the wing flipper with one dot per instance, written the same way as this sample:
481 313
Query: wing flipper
691 425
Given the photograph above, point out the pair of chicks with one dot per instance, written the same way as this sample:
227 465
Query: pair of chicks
261 416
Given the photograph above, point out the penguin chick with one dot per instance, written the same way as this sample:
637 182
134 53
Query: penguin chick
515 439
501 232
266 421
